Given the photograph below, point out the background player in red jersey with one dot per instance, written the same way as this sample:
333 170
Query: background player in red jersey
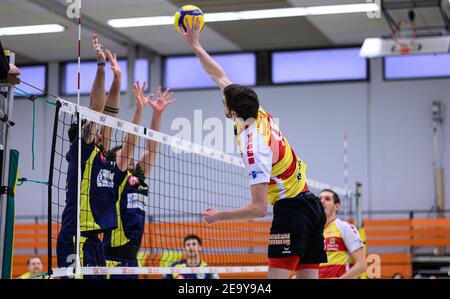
342 242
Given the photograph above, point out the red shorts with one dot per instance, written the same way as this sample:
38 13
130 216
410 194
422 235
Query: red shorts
291 263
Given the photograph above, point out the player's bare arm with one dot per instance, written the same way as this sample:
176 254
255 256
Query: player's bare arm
113 101
159 105
14 70
359 267
257 208
130 141
98 97
214 70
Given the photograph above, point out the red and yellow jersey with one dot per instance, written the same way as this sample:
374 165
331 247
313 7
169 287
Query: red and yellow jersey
341 239
269 158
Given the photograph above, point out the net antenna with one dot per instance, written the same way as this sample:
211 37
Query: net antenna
77 260
413 29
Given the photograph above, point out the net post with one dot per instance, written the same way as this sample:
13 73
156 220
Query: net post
49 189
7 111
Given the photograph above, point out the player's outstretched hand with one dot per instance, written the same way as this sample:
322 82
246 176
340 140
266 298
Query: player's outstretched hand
14 70
99 55
141 100
163 100
115 67
191 34
211 215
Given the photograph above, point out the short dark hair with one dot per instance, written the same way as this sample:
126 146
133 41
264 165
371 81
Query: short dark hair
114 150
241 99
32 258
192 237
336 198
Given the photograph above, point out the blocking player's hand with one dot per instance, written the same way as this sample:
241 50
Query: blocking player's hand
211 215
115 67
163 100
141 100
99 54
191 34
14 70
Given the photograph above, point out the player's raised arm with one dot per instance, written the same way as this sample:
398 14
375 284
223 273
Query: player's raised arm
214 70
113 101
126 153
98 97
151 147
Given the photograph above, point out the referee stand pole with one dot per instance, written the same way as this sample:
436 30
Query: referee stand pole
358 221
358 213
6 109
438 157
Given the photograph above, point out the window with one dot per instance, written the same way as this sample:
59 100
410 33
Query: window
35 75
417 66
186 72
141 71
88 71
318 66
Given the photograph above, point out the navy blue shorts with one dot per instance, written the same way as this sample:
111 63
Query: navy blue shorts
91 253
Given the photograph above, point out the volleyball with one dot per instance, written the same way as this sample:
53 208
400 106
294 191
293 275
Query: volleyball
186 15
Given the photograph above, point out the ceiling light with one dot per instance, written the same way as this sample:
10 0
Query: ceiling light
251 14
221 17
33 29
273 13
339 9
140 22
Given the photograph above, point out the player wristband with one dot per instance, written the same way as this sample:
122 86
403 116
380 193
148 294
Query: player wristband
101 63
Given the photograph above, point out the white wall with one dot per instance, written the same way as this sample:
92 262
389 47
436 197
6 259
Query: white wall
388 124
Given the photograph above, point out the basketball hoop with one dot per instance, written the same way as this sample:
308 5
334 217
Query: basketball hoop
404 50
404 29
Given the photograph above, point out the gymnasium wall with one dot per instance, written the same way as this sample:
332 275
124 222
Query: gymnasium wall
388 124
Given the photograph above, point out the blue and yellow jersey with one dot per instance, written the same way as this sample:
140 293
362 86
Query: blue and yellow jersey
269 158
183 264
100 178
28 276
126 239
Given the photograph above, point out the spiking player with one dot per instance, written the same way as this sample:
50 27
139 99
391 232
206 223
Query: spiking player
276 174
